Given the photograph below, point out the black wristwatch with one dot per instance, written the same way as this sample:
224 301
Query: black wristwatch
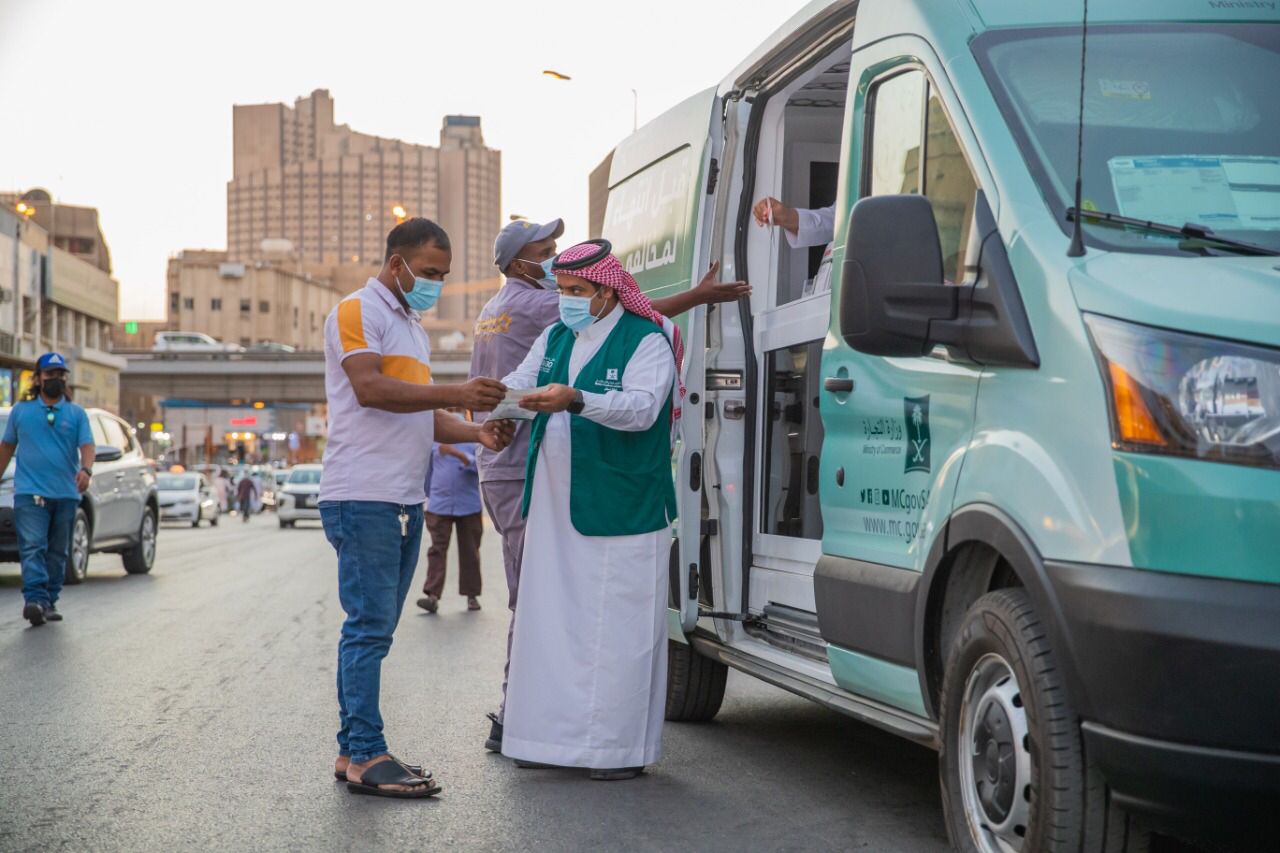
575 408
88 471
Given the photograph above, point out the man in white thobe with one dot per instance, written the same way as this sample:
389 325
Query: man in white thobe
589 654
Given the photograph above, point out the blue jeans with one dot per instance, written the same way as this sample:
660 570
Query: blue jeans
375 570
44 535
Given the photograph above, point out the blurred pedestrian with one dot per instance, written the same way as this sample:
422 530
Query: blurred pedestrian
222 488
55 452
453 501
507 327
246 496
384 414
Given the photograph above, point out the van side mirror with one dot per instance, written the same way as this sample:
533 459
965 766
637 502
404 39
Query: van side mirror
107 453
892 285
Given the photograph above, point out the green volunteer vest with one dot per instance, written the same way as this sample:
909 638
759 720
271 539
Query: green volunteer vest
619 481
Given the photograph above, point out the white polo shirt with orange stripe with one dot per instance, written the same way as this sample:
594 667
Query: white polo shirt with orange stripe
374 455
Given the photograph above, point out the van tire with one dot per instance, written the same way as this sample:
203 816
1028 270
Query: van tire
695 684
1045 796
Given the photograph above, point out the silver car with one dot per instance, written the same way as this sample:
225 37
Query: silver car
118 513
299 499
187 497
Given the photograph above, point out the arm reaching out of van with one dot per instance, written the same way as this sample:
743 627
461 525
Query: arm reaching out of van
710 291
804 227
783 216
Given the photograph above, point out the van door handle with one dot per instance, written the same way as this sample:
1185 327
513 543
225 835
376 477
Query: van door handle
119 475
837 384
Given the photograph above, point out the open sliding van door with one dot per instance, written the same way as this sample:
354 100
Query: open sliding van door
790 126
661 184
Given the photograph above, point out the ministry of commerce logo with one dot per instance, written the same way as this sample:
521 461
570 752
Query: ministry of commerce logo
915 411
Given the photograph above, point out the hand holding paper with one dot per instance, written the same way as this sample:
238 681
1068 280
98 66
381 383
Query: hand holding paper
510 405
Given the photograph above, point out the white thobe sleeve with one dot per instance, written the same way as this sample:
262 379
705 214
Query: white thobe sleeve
817 227
526 375
646 382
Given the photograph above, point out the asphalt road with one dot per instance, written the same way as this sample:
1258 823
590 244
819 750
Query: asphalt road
193 709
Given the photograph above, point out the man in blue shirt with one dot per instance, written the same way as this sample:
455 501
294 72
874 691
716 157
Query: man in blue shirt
453 500
55 461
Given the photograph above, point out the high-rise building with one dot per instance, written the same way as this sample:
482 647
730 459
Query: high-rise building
334 192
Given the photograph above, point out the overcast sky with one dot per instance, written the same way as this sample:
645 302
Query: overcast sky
126 106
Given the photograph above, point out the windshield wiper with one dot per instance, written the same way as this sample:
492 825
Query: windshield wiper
1190 232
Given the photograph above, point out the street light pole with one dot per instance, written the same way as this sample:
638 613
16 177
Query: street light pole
25 212
53 230
17 301
46 284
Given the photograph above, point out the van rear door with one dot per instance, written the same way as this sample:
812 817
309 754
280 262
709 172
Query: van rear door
661 184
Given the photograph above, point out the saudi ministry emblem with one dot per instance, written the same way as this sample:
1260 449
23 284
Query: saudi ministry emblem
611 374
916 414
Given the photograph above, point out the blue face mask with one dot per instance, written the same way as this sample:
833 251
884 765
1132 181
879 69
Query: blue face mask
548 278
423 294
575 312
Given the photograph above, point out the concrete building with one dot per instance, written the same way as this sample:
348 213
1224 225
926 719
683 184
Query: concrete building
76 228
333 192
200 279
53 298
240 302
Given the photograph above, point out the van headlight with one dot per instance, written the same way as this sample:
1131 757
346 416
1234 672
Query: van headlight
1188 395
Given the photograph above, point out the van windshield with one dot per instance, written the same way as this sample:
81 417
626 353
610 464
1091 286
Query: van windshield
1181 125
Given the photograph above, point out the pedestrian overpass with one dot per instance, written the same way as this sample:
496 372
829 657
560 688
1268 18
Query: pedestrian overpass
276 377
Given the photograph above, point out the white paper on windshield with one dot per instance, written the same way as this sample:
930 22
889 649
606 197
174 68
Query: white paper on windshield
510 405
1220 192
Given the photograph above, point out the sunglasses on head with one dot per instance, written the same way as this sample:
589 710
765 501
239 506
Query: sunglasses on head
604 249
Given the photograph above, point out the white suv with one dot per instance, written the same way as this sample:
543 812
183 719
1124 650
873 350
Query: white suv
298 499
191 342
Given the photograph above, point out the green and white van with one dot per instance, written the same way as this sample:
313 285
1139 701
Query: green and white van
1017 504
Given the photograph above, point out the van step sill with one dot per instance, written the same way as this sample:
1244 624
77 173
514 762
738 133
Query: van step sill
918 729
790 629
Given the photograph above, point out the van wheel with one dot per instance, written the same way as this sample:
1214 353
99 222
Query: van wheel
695 684
78 550
1012 764
139 557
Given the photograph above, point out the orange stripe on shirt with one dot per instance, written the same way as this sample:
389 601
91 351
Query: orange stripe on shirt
406 368
351 325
